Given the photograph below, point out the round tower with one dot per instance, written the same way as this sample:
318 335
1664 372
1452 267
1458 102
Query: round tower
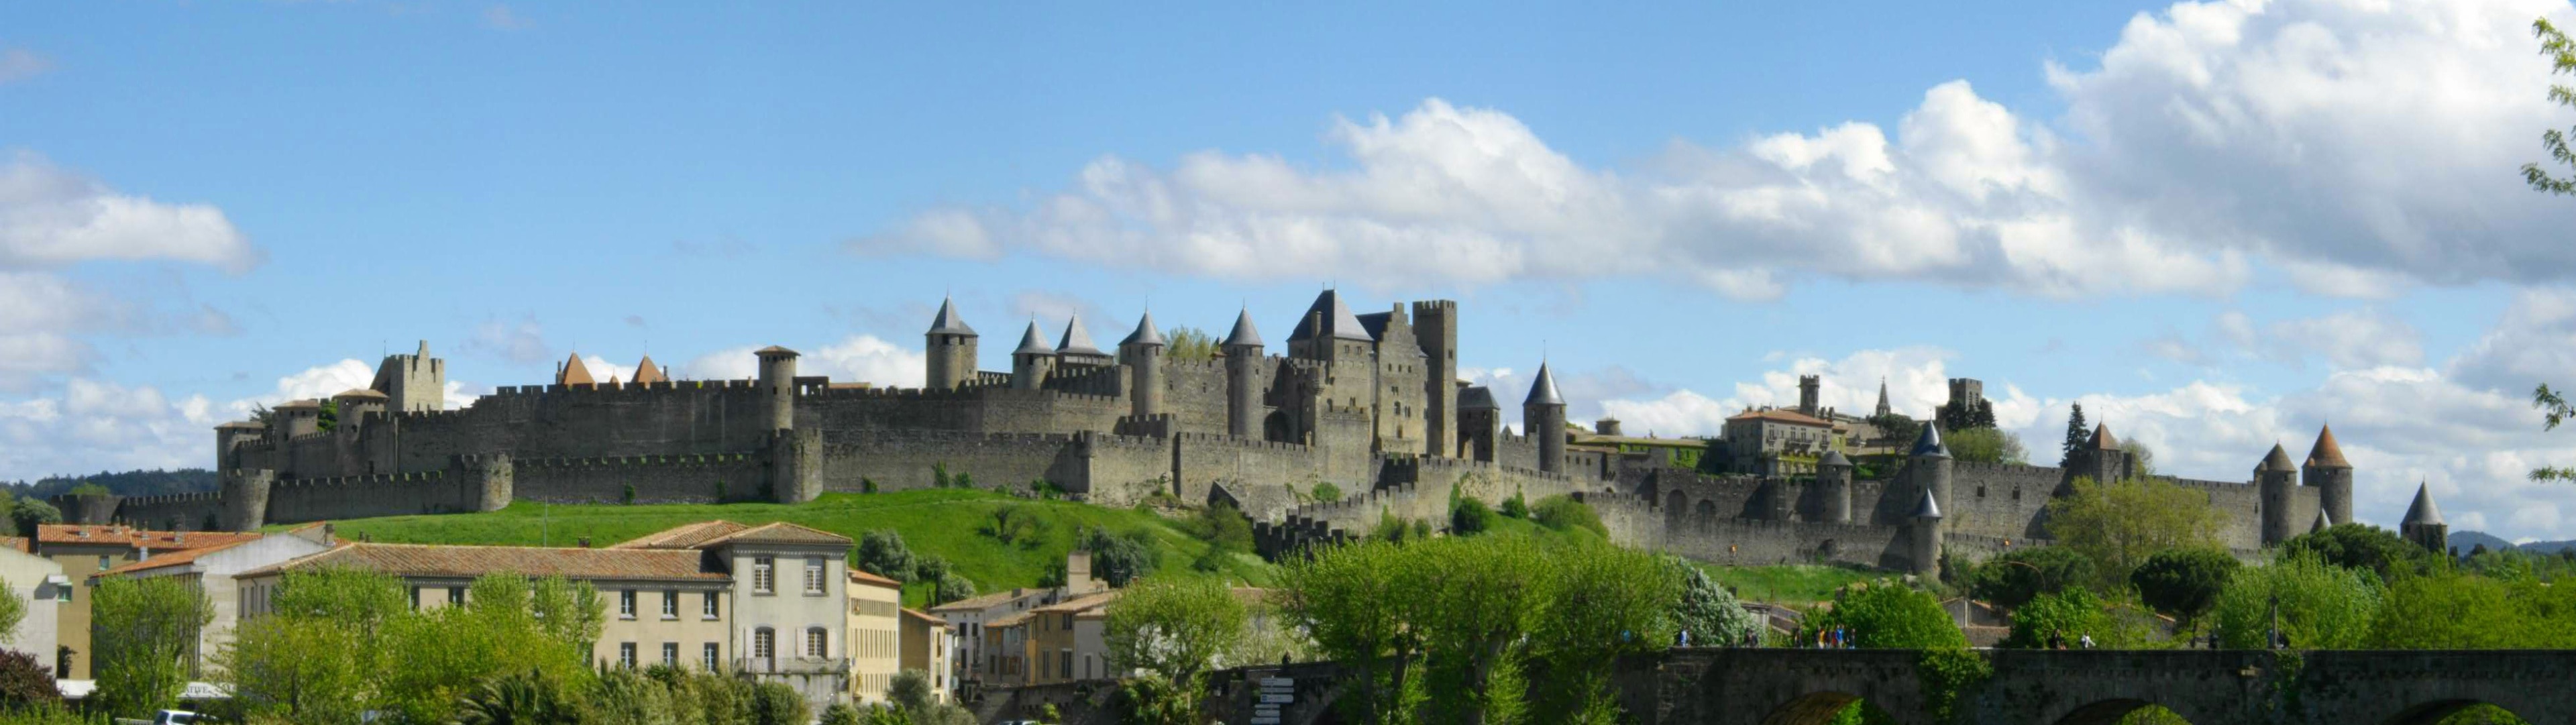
1833 475
948 350
1810 398
1929 463
1033 361
1143 352
1543 418
245 499
1925 533
2277 480
2327 470
778 385
1242 378
355 404
2423 524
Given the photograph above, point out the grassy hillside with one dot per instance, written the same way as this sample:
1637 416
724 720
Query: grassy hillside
1791 583
949 523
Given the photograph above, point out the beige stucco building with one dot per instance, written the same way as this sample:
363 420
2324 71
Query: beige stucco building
790 598
875 634
928 642
40 583
86 549
212 569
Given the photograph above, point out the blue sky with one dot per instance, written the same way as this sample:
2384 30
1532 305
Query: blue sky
2219 225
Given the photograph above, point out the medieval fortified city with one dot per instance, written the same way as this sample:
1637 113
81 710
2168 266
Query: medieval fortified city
2147 362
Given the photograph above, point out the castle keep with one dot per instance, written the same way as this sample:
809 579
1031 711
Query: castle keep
1370 403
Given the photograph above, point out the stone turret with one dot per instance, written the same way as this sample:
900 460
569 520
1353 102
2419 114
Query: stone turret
1480 422
778 381
1143 353
2101 459
231 435
1032 361
296 418
2276 478
948 350
1075 347
1810 394
2327 470
1834 478
412 383
1929 464
1435 330
245 499
1242 348
573 372
1925 531
2423 524
1543 417
355 404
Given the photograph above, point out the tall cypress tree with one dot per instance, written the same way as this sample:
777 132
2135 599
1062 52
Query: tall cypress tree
2075 432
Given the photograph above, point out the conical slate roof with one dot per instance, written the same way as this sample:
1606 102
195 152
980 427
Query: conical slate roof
1075 340
1337 318
948 323
1543 391
2323 521
2423 512
1929 444
1243 334
2102 440
2277 461
1145 333
1833 458
1928 509
2326 454
1033 342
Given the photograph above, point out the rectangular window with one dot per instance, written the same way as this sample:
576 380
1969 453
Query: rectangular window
1067 668
626 604
670 605
764 578
712 652
1068 621
814 575
415 598
626 655
670 654
105 562
764 643
816 643
707 609
456 596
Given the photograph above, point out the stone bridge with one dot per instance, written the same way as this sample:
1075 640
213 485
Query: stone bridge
2097 687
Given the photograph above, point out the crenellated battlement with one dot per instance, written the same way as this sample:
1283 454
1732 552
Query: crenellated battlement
370 480
609 461
1256 444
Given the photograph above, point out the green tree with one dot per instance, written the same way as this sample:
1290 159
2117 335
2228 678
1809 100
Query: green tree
2077 435
144 632
302 669
26 684
29 513
2184 583
626 697
883 552
1886 615
1176 628
2061 618
1516 507
1891 427
518 698
1224 527
1120 557
2360 546
910 691
946 585
1985 445
2321 606
1598 602
1563 513
1355 601
839 714
1469 516
2562 56
1189 343
1326 492
2119 524
2015 577
1708 611
774 703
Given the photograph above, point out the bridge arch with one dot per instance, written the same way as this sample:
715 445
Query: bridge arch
2431 713
1820 708
2115 711
1705 515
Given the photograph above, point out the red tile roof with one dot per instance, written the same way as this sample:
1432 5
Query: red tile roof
717 533
430 560
119 535
863 576
685 536
1783 416
924 616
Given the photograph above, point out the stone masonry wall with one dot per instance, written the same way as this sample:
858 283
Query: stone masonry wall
656 479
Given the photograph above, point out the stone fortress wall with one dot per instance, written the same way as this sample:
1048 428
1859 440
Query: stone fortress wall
1367 403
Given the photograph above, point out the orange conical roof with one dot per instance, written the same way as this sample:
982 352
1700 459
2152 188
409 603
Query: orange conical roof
574 373
2326 454
647 372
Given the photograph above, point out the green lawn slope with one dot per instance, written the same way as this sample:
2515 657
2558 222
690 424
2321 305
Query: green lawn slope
950 523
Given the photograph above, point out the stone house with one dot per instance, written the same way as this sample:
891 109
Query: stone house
1065 641
784 628
927 644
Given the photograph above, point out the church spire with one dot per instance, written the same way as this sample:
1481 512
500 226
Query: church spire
1883 408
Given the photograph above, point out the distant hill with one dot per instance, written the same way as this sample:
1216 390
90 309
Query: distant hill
154 482
2467 540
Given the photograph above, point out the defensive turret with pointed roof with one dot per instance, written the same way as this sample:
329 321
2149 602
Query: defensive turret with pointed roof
2278 461
2330 474
2327 453
1145 333
1243 335
2423 524
1033 342
947 322
948 349
1329 317
647 372
2102 440
2323 522
1928 445
573 372
1543 390
1543 419
2422 511
1926 507
1032 361
1075 346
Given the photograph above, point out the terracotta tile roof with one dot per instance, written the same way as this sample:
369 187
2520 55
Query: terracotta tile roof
1783 416
431 560
175 558
574 373
985 601
1011 621
780 532
924 616
684 536
2327 454
119 535
298 404
1076 605
863 576
647 372
360 393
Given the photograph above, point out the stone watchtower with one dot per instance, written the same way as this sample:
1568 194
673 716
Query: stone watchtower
1435 330
412 383
2327 470
1033 361
1243 359
1143 353
1543 417
2275 478
948 350
2101 458
777 385
2423 524
1924 532
1480 421
1810 394
1834 478
1929 464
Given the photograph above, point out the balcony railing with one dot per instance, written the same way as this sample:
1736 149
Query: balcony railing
791 665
